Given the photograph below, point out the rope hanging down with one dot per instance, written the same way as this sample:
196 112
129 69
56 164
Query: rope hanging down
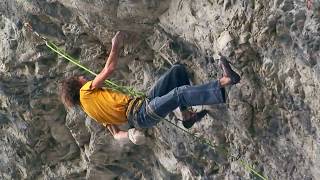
132 92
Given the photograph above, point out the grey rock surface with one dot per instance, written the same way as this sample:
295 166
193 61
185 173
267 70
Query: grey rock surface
271 120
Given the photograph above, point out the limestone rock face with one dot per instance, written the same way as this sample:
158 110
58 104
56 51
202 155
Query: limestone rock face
270 120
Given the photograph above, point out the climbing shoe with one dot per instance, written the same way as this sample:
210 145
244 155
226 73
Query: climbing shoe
225 65
195 117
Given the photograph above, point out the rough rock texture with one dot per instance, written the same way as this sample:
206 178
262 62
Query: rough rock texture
271 119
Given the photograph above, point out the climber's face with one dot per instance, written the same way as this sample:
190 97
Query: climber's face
82 80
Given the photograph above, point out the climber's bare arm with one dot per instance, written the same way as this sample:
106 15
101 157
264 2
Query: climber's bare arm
111 61
117 133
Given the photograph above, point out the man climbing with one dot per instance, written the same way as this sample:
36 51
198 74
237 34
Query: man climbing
172 90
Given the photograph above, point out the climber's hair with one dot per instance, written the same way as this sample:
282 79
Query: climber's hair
69 91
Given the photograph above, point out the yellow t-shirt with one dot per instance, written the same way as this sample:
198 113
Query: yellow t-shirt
104 105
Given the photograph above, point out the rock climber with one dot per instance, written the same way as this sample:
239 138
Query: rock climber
172 90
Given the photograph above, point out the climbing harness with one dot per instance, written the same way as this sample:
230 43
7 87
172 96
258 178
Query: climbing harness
130 91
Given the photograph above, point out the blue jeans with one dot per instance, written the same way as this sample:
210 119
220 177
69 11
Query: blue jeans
173 90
